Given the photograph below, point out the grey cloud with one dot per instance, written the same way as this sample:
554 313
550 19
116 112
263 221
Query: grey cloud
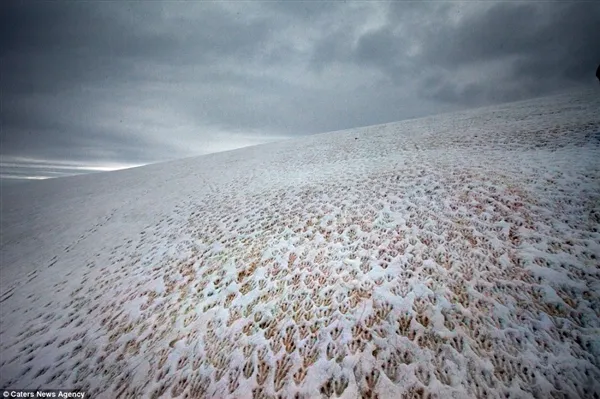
569 48
333 47
544 47
307 9
541 47
504 29
380 46
53 44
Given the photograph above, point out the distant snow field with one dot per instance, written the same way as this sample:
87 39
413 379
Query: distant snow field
453 256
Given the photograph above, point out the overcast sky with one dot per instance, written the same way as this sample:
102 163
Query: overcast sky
99 85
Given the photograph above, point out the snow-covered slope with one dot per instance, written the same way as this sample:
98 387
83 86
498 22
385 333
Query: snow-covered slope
450 256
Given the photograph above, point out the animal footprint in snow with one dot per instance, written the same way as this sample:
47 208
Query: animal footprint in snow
300 375
281 372
248 350
423 374
248 368
303 330
262 353
197 363
159 391
370 321
234 378
263 372
183 360
423 319
416 392
405 357
180 386
163 373
259 393
336 332
368 394
330 351
404 325
340 384
457 343
526 373
372 378
327 389
390 368
383 309
289 340
356 345
198 387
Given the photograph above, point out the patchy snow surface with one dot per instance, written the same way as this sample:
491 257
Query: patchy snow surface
451 256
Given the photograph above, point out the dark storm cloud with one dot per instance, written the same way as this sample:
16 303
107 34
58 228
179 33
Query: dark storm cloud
55 46
569 44
138 82
303 10
504 29
538 48
505 51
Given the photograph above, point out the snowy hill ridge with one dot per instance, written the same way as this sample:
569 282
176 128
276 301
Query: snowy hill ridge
452 256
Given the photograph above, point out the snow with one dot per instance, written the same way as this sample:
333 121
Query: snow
452 256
